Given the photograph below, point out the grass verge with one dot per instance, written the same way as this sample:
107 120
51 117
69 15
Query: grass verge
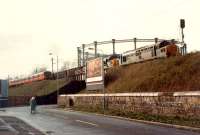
37 88
175 120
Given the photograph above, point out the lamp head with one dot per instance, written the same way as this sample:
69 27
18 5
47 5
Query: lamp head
90 48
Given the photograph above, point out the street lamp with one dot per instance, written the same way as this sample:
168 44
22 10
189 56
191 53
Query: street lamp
51 63
56 74
90 48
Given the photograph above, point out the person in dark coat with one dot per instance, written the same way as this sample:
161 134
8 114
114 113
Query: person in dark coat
33 104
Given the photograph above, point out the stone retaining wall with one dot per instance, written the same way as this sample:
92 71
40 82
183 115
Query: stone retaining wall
184 104
18 100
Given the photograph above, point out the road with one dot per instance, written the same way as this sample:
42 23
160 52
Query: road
60 122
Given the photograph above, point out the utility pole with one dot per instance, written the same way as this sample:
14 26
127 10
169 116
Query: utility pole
154 47
52 64
135 41
83 57
86 56
95 48
113 42
79 56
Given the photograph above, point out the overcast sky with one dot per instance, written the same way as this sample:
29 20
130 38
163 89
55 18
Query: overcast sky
30 29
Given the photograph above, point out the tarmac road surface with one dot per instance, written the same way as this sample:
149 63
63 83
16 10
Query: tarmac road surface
58 122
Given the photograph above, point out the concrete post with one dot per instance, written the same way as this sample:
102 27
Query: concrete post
95 48
185 48
156 40
57 85
83 59
78 55
86 56
135 40
113 42
52 64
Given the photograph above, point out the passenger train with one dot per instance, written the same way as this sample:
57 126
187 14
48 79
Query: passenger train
73 74
33 78
163 49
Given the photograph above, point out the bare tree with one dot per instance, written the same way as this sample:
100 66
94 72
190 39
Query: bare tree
39 69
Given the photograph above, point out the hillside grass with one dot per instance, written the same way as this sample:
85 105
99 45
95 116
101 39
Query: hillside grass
39 88
180 73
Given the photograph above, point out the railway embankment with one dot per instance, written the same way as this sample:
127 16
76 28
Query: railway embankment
181 73
39 88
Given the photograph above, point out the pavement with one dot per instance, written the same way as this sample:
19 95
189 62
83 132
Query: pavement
51 121
14 126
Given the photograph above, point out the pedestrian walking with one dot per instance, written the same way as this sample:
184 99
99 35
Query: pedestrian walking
33 104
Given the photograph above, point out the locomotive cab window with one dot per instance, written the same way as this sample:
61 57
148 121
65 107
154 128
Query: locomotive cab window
163 50
124 58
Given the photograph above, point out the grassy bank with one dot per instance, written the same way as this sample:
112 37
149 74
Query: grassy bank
37 88
181 73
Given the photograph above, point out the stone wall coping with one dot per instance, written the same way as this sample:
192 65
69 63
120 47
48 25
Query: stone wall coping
188 93
145 94
137 94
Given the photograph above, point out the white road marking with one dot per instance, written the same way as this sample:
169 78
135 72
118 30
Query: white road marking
85 122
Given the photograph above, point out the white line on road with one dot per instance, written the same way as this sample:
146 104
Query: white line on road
85 122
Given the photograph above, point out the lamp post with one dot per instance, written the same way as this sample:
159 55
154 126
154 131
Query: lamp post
57 87
57 79
51 63
90 48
